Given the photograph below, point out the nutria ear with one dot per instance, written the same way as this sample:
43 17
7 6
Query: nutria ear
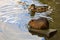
30 22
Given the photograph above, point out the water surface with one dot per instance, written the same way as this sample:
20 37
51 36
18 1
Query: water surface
14 19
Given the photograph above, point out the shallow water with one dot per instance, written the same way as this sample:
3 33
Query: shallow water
14 19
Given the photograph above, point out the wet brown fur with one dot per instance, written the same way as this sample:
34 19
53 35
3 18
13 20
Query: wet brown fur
41 23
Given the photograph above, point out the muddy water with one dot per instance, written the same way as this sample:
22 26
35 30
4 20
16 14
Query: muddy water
55 4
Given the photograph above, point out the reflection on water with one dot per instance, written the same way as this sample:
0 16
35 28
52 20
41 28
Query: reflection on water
14 19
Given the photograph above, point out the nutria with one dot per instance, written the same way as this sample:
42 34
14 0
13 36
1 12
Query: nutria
41 23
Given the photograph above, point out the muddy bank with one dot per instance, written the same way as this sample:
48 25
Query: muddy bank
55 4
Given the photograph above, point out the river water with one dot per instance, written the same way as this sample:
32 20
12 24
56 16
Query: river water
14 19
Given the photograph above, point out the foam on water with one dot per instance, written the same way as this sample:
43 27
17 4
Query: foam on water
14 19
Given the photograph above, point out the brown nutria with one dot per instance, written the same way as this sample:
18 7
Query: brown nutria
41 23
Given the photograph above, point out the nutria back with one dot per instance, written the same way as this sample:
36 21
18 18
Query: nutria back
41 23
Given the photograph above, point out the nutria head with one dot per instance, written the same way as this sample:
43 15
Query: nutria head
41 23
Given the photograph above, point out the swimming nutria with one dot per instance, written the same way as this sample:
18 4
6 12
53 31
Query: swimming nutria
41 23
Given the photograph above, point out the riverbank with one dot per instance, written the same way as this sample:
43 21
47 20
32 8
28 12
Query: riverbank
55 4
